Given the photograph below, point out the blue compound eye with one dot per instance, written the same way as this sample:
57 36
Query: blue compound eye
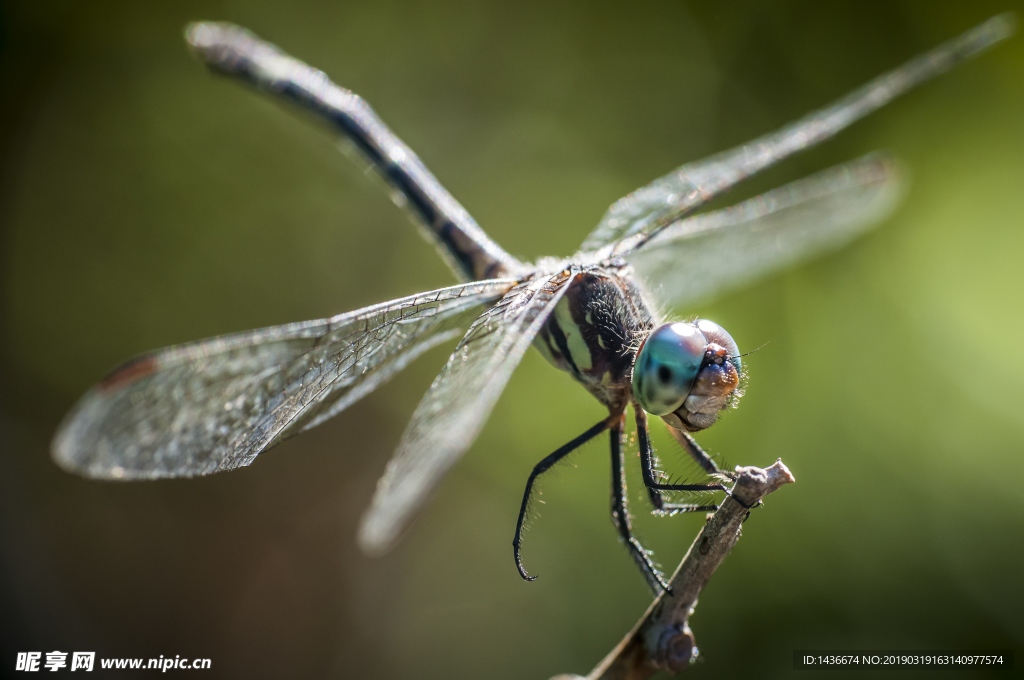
718 335
666 367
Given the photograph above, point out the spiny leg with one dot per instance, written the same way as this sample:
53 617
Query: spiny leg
694 450
620 516
542 467
673 509
654 488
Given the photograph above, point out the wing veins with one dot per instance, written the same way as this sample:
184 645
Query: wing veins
216 404
653 207
454 409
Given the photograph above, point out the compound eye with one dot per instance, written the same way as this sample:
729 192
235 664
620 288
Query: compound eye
716 334
666 366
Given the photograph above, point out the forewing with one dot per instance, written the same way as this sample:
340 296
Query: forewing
651 208
454 410
703 255
216 404
234 51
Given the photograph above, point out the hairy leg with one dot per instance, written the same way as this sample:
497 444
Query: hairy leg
654 488
620 516
542 467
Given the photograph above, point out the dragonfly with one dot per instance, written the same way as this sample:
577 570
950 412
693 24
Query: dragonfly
217 404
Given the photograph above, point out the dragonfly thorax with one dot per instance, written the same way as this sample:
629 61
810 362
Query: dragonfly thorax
594 331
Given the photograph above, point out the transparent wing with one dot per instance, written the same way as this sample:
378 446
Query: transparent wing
216 404
656 205
235 52
454 410
700 256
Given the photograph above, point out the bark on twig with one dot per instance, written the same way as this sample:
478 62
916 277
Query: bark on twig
662 640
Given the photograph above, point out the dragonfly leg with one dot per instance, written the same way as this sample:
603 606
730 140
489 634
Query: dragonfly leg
620 517
539 469
654 488
694 450
672 509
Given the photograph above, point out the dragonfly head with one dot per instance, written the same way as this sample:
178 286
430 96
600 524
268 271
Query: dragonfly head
687 373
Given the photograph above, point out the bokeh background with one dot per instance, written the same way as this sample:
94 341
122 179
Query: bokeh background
145 202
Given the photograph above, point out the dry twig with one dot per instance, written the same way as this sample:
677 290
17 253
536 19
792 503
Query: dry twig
662 639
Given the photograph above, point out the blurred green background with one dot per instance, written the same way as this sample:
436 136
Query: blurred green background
145 203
